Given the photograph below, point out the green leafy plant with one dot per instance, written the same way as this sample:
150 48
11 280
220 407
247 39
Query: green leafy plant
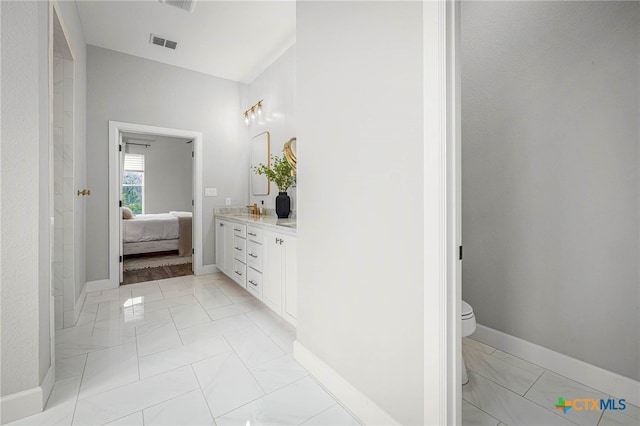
279 173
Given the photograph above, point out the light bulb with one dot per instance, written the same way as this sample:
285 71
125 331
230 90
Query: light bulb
260 108
246 118
253 113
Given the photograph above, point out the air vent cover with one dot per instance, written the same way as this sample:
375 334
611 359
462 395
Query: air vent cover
157 40
187 5
161 41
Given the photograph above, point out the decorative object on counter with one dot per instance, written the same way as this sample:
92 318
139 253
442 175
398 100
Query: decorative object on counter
283 205
280 174
252 113
289 151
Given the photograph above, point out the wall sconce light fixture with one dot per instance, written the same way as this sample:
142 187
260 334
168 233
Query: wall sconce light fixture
253 112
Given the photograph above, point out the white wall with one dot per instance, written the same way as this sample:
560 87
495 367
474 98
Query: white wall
168 174
360 180
125 88
276 86
550 134
21 141
26 292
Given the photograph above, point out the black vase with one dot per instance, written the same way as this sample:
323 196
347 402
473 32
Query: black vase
283 205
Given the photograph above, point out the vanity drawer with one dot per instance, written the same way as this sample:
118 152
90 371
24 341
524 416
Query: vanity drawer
240 249
239 230
254 255
254 282
254 234
239 273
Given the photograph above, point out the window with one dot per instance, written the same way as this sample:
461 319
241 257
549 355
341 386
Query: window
133 183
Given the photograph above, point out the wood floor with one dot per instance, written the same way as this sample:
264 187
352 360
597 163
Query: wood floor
159 273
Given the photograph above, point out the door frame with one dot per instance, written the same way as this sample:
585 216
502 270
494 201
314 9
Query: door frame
115 130
442 212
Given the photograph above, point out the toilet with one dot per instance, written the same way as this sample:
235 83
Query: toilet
468 327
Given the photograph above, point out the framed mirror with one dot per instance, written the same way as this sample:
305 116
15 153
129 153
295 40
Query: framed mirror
260 153
290 152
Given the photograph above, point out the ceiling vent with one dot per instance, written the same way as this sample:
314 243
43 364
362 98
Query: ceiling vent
187 5
157 40
161 41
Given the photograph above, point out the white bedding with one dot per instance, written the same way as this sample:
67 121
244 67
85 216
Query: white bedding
151 227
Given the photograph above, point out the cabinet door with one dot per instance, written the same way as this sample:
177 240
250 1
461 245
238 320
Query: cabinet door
290 299
254 255
272 273
221 245
228 248
239 273
240 249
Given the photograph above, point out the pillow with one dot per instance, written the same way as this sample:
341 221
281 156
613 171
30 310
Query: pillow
127 213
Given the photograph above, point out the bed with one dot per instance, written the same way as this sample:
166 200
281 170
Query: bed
149 233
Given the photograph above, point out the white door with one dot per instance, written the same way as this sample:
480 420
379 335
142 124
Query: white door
272 273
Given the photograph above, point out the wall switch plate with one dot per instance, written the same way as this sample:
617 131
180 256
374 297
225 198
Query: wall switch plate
211 192
227 201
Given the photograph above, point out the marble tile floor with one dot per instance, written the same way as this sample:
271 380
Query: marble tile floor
182 351
506 390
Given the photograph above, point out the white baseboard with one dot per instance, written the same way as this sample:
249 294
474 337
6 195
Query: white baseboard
69 318
20 404
209 269
100 285
358 403
47 384
28 402
80 302
598 378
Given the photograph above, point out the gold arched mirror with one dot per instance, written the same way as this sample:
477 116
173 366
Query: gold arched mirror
290 153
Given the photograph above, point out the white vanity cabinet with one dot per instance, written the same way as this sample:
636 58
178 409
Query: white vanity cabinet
224 246
290 299
279 283
231 250
262 260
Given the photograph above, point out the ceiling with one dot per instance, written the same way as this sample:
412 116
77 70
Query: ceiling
235 40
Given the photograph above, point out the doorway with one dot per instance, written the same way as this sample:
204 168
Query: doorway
550 195
122 134
157 202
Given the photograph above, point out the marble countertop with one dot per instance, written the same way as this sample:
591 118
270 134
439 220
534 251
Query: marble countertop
287 226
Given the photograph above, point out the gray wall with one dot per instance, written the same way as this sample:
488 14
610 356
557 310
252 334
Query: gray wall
359 120
550 135
127 88
168 174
